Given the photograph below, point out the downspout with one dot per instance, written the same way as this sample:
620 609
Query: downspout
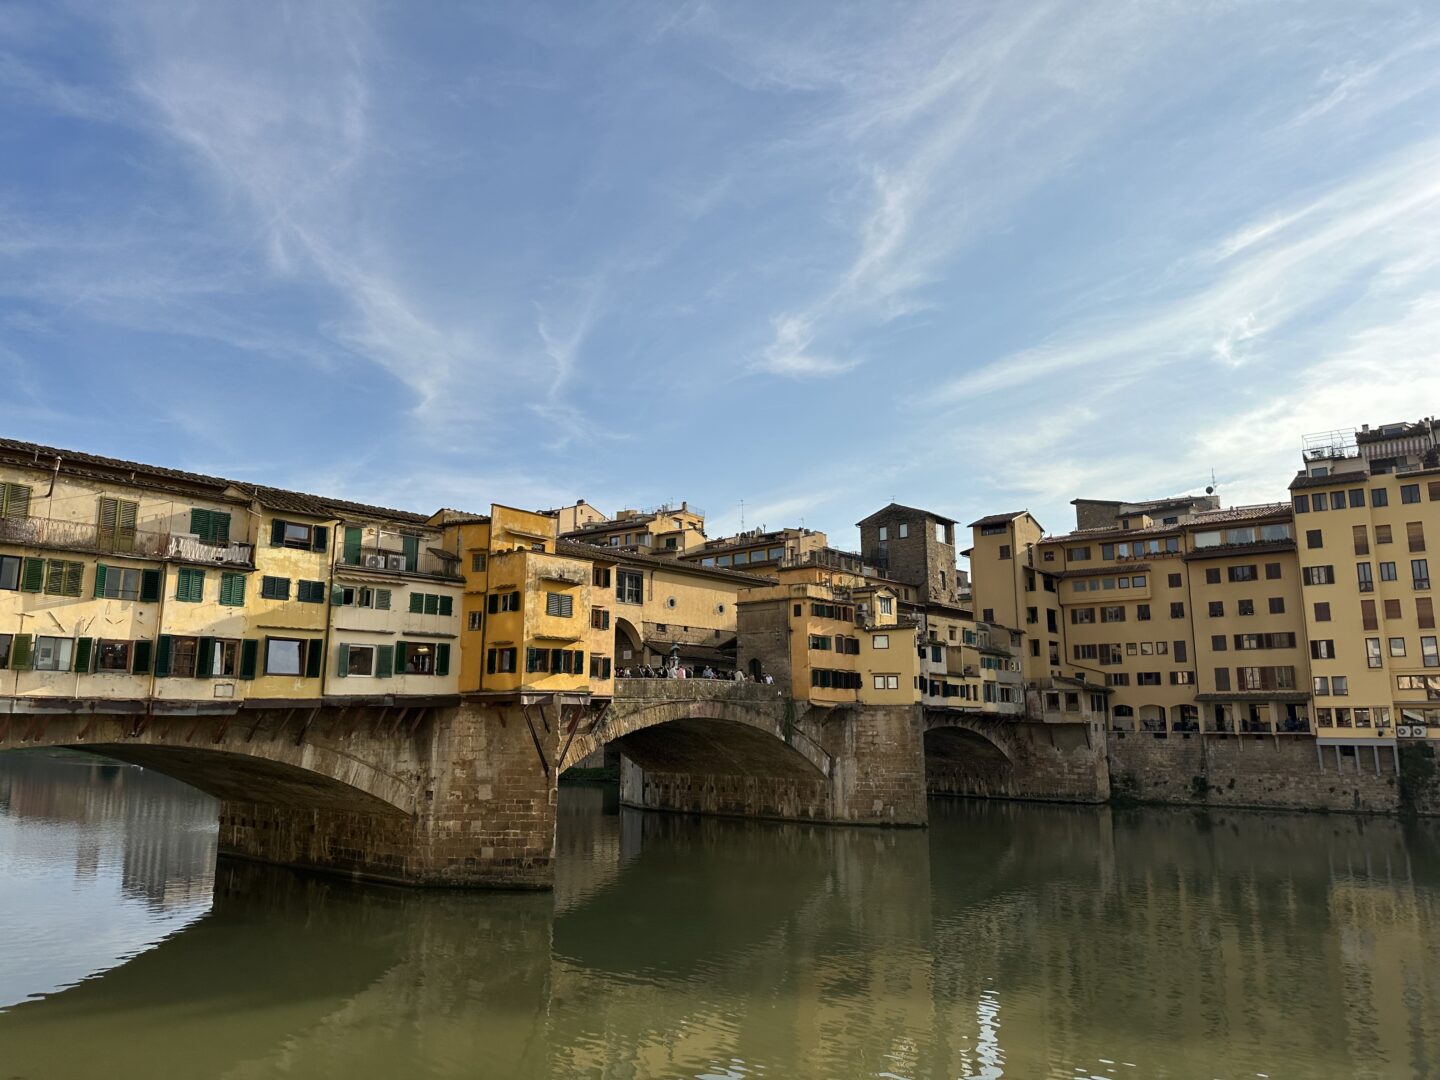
335 526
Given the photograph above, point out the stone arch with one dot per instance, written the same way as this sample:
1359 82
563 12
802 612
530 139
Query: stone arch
627 636
1152 717
961 760
1122 717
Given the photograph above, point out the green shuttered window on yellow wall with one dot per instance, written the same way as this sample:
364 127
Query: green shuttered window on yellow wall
232 590
212 526
190 585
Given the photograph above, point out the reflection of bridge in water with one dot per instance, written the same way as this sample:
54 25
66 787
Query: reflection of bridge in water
1028 934
466 795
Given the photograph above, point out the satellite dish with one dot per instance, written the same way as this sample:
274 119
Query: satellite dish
1209 490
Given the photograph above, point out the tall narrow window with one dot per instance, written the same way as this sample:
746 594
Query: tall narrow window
1362 540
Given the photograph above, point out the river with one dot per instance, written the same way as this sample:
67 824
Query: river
1006 941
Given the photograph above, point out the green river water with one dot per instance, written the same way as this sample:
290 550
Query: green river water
1006 941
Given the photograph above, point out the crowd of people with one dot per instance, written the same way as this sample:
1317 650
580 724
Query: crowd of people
680 671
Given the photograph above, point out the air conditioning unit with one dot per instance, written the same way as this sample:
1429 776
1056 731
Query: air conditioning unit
395 562
375 562
1403 731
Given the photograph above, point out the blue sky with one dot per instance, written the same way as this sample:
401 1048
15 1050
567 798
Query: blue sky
811 256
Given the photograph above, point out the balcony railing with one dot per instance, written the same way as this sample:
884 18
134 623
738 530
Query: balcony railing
83 536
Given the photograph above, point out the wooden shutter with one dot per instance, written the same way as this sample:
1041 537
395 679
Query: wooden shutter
384 661
382 599
417 603
232 590
411 546
489 662
74 578
32 575
319 538
14 501
342 660
200 523
107 512
99 579
205 658
337 596
163 646
350 552
432 603
150 585
447 605
400 649
556 660
442 658
1415 534
1434 490
1425 612
1367 615
22 652
1362 540
125 525
249 654
84 648
277 532
140 653
314 658
1392 609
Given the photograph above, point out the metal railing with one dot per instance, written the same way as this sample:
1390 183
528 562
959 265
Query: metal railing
107 539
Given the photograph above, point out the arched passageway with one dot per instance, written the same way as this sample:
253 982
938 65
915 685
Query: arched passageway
959 761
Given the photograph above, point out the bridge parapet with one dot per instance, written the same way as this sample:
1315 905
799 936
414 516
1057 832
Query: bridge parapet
696 690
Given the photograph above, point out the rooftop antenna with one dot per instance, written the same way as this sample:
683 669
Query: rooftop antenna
742 515
1211 489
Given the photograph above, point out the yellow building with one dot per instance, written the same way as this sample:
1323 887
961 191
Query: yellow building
759 550
665 529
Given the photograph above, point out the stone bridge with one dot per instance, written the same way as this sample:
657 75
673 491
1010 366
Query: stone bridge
463 792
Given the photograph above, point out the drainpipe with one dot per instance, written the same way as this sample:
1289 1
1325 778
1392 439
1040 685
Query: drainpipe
329 606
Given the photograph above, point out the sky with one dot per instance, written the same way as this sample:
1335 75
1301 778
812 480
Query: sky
787 261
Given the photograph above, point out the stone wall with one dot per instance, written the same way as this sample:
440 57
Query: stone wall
1008 759
878 775
1258 771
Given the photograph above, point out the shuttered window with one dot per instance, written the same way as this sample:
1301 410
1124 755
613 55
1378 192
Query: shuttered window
1362 540
430 604
310 592
190 585
62 578
1392 609
1368 617
1425 612
14 500
1415 534
275 588
212 526
116 518
232 590
559 604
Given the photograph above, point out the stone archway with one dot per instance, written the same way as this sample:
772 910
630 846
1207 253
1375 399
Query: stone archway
959 761
627 640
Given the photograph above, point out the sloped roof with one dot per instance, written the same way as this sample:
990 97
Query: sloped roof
996 519
894 508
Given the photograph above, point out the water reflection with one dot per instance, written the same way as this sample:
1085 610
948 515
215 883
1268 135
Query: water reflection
1006 941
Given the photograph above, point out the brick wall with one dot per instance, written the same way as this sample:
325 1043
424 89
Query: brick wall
1006 759
1254 771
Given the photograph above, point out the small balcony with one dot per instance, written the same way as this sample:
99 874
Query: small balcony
108 540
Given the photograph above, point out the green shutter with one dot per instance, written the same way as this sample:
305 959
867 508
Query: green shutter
277 532
190 585
150 585
385 661
83 648
351 551
580 662
249 652
162 655
22 654
417 603
432 603
382 599
220 526
200 523
140 657
319 538
14 501
205 658
232 590
337 596
447 605
411 546
32 577
74 579
99 579
557 661
490 662
342 660
442 658
400 648
314 657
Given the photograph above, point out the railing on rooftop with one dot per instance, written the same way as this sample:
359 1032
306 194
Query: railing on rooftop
1328 445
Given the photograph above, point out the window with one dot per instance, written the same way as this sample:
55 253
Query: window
887 605
1244 573
1182 678
1373 657
293 534
1433 490
820 642
1212 575
1424 613
116 524
1357 497
358 660
1340 685
283 656
599 667
904 531
1245 607
1077 554
1177 611
1409 493
1142 612
1415 535
53 653
1429 653
1319 575
600 577
496 603
1319 502
1277 605
1387 571
1078 615
477 562
1272 571
1302 504
232 590
880 641
1322 649
113 656
1420 573
1320 685
475 620
501 660
1322 612
1379 497
1397 646
62 578
1147 678
310 592
1112 614
1314 538
1174 581
420 657
1217 609
1222 679
1368 618
1383 535
1365 577
1004 551
211 526
224 659
9 570
630 586
884 533
117 582
561 605
1337 500
1392 609
1218 643
190 585
275 588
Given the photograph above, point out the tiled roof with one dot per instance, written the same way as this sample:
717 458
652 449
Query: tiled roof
1262 512
1239 513
996 519
894 508
578 549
